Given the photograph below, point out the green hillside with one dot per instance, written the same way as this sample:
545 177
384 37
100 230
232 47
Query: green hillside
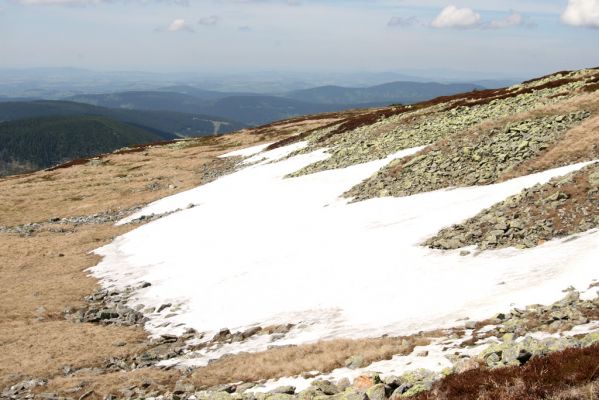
162 122
36 143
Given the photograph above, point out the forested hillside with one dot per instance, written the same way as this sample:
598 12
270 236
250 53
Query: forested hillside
167 121
30 144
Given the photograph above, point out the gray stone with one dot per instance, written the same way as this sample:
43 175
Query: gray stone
287 389
354 362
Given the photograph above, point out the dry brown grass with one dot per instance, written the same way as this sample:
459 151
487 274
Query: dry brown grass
45 273
102 385
121 181
589 391
580 143
36 285
323 356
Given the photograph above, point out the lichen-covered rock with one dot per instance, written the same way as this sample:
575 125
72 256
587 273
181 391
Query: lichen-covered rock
469 160
376 392
355 362
563 207
423 124
364 381
590 340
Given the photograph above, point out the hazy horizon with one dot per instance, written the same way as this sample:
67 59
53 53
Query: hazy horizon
495 38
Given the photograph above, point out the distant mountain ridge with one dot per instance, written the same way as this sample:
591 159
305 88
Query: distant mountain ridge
170 123
256 109
393 92
248 109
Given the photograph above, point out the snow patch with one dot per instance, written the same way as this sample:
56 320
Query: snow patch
259 249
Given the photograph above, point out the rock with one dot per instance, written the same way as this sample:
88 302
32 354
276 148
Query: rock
422 354
470 324
251 332
183 387
364 381
163 307
350 394
343 384
418 388
594 179
354 362
376 392
244 386
524 356
225 387
465 364
590 339
287 389
223 334
326 387
398 393
392 381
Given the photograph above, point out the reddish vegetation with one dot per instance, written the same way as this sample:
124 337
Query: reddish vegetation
367 119
299 137
540 378
477 97
546 76
591 88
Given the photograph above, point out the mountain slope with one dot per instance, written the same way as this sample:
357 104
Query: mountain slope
295 257
30 144
394 92
168 122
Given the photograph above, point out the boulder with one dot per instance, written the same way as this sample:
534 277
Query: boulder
354 362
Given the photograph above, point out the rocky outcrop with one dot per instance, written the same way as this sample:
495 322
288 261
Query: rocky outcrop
468 160
565 206
426 123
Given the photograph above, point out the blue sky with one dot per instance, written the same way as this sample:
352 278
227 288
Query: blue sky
507 37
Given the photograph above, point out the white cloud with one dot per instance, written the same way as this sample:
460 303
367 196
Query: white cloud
453 17
178 25
582 13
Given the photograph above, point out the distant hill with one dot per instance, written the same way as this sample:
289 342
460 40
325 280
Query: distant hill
203 94
145 100
167 122
30 144
394 92
246 108
257 110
